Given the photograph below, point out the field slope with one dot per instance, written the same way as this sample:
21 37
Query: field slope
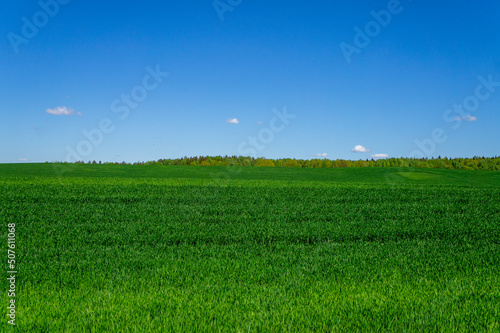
104 248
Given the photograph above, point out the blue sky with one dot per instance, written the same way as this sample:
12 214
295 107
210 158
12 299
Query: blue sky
398 78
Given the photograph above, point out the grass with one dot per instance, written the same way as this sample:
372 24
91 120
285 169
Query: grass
186 249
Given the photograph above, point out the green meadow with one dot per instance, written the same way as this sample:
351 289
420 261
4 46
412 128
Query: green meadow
122 248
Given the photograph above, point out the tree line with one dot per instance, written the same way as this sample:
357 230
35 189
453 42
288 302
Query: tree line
474 163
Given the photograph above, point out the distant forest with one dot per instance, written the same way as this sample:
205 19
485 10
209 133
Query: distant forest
475 163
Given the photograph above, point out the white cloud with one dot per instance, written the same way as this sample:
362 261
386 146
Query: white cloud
322 155
23 160
260 123
379 156
466 118
232 121
62 111
360 149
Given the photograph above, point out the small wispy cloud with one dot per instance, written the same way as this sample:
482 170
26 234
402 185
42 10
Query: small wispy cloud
63 111
322 155
467 118
23 160
232 121
260 123
379 156
360 149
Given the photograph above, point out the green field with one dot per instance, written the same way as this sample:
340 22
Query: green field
105 248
